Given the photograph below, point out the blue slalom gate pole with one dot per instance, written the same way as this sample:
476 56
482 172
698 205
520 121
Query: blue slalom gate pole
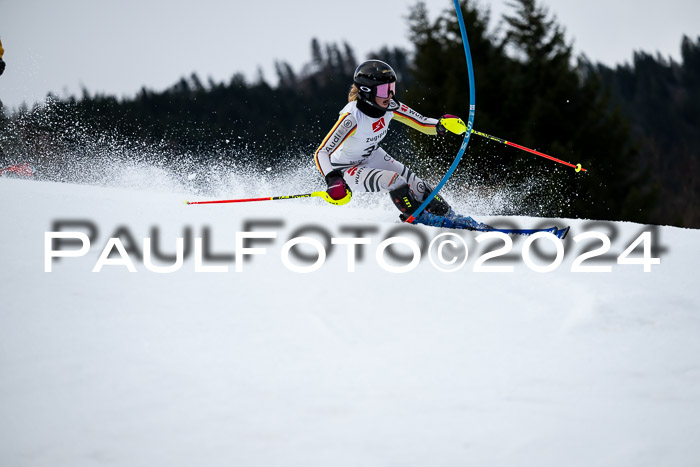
470 123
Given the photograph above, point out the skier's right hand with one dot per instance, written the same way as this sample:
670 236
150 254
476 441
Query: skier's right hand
337 188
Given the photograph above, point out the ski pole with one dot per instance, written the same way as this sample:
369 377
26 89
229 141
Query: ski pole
316 194
455 125
509 143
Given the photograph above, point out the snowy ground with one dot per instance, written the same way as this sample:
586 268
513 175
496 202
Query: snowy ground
269 367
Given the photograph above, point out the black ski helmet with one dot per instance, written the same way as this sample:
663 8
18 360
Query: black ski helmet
368 75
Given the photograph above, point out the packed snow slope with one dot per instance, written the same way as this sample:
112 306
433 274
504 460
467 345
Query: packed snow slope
272 367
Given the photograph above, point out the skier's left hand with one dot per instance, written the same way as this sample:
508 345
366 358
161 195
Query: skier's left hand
452 123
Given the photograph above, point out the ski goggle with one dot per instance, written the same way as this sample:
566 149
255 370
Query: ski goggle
383 90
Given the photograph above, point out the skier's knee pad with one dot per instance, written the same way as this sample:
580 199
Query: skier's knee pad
403 199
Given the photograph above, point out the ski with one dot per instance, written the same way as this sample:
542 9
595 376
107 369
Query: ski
557 232
453 221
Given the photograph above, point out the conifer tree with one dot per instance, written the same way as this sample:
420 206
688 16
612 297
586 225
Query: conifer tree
533 94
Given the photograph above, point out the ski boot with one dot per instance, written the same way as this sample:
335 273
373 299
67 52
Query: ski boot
403 199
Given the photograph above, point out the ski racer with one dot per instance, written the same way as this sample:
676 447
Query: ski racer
350 157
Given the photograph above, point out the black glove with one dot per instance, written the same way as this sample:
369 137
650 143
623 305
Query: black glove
337 188
2 66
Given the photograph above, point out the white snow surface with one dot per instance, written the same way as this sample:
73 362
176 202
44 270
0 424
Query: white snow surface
270 367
